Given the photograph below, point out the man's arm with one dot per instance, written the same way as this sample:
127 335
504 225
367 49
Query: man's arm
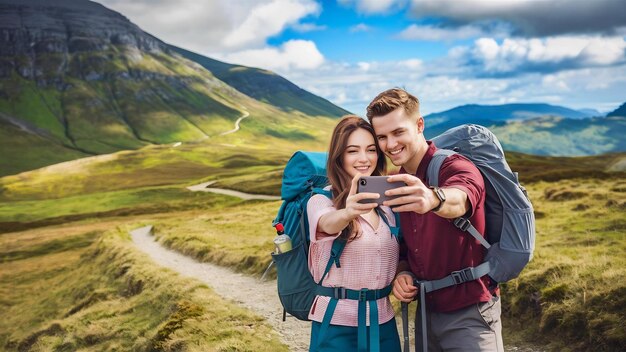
416 197
457 203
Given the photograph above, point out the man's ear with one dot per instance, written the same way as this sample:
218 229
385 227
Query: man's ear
420 124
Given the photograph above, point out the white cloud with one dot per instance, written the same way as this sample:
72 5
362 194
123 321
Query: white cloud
214 26
266 20
361 27
292 55
515 55
308 27
531 17
442 85
373 6
428 32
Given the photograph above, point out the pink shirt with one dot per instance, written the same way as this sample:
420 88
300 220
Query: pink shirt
369 262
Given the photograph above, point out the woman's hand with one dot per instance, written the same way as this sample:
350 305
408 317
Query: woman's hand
353 206
334 222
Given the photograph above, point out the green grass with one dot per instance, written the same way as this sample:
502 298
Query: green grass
573 293
149 167
40 107
108 296
237 236
159 198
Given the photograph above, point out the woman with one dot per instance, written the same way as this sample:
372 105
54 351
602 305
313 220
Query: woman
370 256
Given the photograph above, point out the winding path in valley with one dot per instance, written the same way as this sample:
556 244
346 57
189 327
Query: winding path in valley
204 187
243 116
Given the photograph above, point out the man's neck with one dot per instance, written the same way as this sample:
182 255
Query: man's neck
412 165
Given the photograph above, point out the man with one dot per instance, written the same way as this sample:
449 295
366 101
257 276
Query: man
463 317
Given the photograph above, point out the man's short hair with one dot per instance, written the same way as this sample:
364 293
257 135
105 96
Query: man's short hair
392 99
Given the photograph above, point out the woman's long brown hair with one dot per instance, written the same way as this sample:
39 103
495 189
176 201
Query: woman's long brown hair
339 179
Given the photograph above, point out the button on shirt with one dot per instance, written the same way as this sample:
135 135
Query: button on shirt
370 261
435 247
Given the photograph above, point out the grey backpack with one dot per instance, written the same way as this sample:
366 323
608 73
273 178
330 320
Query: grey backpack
510 221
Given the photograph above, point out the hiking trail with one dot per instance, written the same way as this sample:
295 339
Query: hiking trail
249 292
204 187
258 296
243 116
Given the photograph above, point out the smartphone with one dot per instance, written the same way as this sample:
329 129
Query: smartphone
377 184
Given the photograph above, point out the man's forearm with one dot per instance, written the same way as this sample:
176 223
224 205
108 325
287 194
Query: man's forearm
456 204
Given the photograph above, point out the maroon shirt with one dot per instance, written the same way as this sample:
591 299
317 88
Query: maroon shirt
435 247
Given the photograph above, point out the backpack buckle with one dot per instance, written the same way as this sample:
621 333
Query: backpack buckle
363 294
462 276
340 293
462 223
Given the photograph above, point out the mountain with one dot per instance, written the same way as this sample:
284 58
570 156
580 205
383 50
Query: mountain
556 136
590 112
621 111
78 79
539 129
473 112
266 86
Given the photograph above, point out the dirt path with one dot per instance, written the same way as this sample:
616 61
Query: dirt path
203 187
251 293
243 116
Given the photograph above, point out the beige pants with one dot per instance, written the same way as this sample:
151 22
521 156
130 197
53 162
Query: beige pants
474 328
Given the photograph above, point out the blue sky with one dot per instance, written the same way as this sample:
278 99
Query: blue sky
447 52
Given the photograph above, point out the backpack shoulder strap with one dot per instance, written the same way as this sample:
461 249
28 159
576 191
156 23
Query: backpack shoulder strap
432 173
335 254
395 230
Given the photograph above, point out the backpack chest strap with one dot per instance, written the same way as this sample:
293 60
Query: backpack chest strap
457 277
357 295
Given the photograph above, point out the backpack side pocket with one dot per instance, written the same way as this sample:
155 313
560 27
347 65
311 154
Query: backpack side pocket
296 287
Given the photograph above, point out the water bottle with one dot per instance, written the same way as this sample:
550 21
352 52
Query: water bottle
282 241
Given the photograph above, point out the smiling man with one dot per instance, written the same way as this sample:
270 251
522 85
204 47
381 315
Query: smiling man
466 316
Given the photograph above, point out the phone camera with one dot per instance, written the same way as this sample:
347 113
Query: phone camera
363 182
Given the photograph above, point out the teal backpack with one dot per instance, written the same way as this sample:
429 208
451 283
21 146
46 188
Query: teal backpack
303 177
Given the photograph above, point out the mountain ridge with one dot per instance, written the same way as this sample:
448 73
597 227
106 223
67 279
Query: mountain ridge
87 81
264 85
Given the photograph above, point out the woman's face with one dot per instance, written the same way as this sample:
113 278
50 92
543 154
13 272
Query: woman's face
360 154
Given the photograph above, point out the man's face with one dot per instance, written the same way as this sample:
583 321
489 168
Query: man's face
399 138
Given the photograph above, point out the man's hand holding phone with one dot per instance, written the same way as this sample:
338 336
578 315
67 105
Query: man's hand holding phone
415 196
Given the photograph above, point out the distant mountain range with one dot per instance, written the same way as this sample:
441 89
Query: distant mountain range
468 113
621 111
539 129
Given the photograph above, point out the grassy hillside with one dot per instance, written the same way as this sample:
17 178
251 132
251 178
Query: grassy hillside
564 137
87 288
154 98
550 135
266 86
